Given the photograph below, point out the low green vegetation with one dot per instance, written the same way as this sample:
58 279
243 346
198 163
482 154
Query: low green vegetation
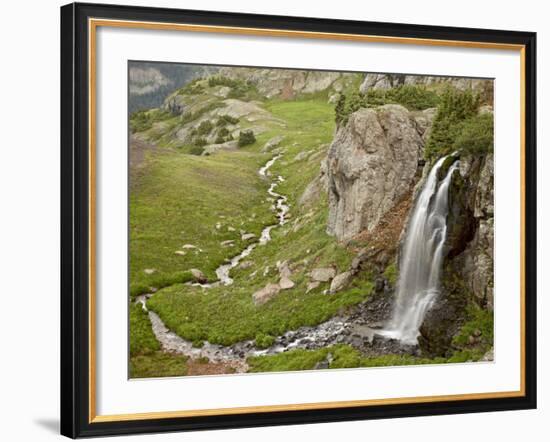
197 149
243 90
157 365
192 116
194 87
391 273
476 135
205 127
142 339
246 137
337 356
456 113
264 341
478 330
224 120
410 96
143 120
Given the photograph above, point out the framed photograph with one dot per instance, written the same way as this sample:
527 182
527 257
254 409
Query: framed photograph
275 220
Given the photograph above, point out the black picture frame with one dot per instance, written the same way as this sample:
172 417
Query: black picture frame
75 219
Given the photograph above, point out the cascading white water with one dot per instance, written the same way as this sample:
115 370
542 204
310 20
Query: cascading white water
421 258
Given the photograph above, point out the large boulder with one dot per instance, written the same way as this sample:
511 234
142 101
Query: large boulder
372 164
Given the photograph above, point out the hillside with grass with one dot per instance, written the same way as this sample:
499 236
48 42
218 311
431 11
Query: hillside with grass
240 170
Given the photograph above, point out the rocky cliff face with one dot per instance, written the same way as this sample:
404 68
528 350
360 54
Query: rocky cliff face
371 167
467 275
388 81
287 83
373 172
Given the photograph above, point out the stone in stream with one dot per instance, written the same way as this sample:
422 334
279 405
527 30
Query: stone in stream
324 274
263 295
340 282
246 265
198 276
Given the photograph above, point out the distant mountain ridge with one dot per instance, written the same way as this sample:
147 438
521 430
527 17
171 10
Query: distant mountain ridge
151 82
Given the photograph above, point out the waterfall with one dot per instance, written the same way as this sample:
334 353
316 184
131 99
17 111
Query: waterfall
421 258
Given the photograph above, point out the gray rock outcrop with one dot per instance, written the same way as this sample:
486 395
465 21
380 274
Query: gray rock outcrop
287 83
372 164
388 81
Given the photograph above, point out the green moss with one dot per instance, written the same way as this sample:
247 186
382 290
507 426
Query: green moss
480 325
264 341
390 273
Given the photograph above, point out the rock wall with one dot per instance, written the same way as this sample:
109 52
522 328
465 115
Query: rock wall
371 166
287 83
388 81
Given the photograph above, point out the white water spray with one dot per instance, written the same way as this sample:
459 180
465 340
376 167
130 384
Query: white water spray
422 257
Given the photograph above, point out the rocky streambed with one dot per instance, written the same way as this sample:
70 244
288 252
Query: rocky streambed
352 328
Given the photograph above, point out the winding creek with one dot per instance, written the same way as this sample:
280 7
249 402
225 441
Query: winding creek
353 328
235 355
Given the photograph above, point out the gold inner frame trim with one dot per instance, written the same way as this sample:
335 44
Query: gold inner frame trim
93 24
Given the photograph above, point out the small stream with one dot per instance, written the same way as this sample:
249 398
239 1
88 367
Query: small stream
234 355
281 209
334 331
